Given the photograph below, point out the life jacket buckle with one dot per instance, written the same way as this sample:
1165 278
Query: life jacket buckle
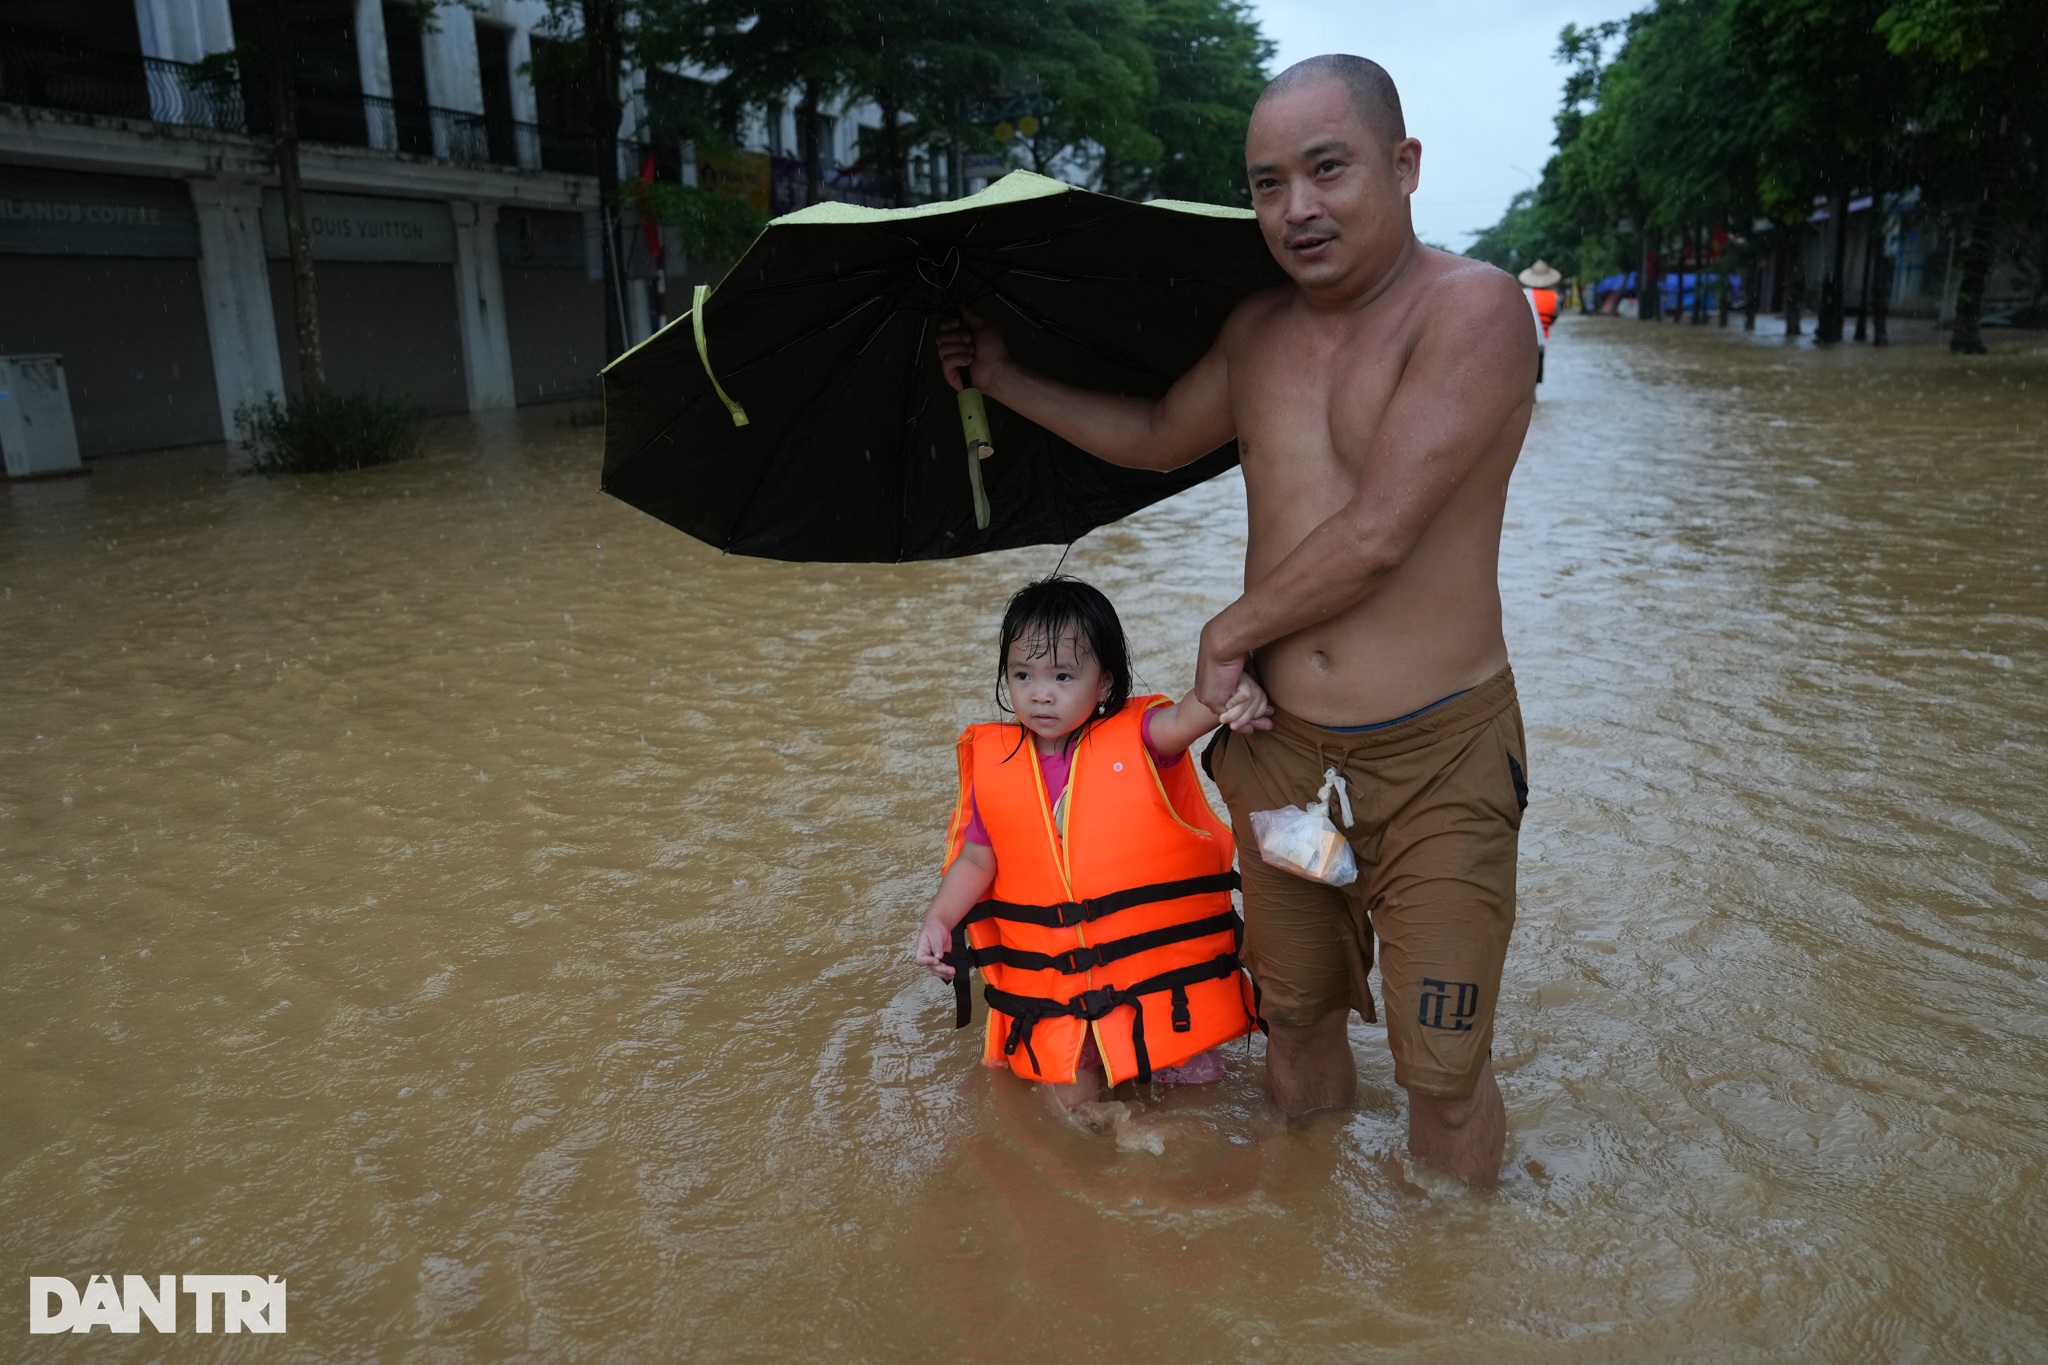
1071 913
1094 1004
1077 960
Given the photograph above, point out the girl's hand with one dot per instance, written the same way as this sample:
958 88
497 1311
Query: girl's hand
1248 708
934 941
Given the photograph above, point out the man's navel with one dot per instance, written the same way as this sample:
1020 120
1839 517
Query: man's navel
1319 661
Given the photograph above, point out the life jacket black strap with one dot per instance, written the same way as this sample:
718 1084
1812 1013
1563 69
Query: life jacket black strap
1067 914
1026 1010
1076 960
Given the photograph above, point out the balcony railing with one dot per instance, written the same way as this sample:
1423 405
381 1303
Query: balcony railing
53 73
56 74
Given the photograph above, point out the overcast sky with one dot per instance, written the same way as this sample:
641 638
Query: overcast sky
1478 87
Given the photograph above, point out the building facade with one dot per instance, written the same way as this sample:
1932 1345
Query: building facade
457 234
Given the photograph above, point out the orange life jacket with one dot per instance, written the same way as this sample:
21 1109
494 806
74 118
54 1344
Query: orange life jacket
1122 925
1546 307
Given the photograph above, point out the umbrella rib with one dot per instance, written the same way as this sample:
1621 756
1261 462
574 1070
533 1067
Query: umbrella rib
662 433
1055 328
912 410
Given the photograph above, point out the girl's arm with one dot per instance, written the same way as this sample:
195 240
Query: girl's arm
960 890
1177 726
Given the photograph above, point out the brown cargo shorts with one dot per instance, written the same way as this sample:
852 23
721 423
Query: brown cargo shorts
1437 801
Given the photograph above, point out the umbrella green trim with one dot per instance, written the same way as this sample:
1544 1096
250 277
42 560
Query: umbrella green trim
697 297
1205 210
1013 188
1016 187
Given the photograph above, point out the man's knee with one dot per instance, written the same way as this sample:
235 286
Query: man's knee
1323 1034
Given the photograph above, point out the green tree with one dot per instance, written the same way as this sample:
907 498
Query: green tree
1831 92
1982 107
596 47
770 50
1211 61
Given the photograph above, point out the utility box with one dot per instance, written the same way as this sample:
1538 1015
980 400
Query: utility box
37 438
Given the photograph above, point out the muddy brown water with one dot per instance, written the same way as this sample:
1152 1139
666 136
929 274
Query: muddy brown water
451 890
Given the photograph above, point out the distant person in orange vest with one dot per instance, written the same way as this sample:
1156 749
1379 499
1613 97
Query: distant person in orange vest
1539 286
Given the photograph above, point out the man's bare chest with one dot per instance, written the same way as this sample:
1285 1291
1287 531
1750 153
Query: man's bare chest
1312 398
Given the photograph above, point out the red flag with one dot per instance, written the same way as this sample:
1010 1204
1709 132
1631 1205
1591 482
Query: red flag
648 225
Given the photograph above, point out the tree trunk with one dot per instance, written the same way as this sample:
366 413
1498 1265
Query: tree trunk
889 155
1834 290
604 57
809 145
1649 302
284 150
1968 336
1880 300
1795 284
1870 246
1699 277
1751 286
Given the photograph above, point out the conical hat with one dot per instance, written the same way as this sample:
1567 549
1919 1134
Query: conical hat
1539 276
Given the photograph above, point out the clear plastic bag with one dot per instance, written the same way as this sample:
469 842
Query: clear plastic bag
1301 839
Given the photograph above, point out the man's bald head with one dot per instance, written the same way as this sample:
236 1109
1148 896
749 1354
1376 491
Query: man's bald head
1373 97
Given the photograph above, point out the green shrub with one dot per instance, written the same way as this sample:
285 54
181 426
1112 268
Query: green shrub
318 435
713 226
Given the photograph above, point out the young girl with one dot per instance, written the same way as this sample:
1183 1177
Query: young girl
1086 875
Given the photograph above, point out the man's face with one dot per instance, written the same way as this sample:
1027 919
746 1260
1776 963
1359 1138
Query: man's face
1331 193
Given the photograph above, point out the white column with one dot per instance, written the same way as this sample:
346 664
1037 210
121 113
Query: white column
183 30
525 108
373 60
480 307
455 82
234 284
639 310
180 31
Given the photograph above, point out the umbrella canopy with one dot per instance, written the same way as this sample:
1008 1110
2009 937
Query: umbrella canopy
799 412
1541 275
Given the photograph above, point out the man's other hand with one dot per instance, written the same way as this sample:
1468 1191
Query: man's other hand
1217 675
970 345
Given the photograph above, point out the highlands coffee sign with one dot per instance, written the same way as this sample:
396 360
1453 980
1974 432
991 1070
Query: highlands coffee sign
57 213
357 227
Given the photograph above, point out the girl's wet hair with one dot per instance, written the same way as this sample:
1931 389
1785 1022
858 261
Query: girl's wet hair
1054 608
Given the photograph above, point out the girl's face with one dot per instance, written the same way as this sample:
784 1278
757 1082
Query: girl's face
1054 685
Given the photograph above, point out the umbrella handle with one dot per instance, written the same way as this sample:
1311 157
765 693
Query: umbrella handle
974 425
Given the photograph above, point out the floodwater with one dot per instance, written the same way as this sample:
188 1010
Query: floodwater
451 890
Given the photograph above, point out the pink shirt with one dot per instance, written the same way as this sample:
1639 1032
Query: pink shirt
1056 768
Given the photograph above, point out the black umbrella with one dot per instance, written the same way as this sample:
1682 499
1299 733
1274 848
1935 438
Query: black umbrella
799 412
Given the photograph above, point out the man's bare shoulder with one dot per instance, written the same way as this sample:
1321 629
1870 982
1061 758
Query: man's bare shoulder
1465 295
1255 310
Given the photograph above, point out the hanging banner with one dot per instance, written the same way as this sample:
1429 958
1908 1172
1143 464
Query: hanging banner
743 175
357 227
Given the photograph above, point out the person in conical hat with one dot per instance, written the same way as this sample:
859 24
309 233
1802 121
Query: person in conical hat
1539 285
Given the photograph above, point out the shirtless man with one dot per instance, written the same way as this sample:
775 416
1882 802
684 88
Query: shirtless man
1379 401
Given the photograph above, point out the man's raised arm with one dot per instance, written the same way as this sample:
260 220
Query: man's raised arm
1470 374
1139 433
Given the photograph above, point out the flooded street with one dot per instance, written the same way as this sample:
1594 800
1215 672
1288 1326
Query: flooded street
452 890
